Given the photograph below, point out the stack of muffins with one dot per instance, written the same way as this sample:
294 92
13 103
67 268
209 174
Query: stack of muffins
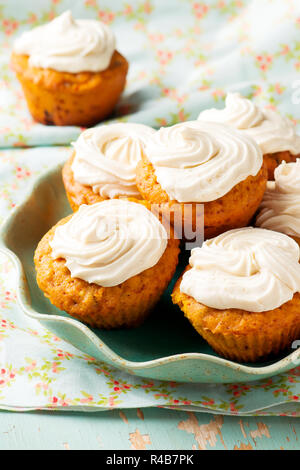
131 187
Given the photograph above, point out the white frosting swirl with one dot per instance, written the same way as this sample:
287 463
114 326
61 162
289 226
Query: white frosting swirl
250 269
280 208
109 242
106 158
201 161
269 129
68 45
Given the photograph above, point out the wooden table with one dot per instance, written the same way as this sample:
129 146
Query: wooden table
154 429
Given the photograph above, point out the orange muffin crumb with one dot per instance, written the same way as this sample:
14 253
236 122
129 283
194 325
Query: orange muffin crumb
79 99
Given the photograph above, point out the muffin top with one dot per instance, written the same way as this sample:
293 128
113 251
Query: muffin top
269 129
280 208
250 269
109 242
106 158
201 161
68 45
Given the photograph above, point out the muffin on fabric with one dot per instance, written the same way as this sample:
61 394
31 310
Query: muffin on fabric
69 70
275 134
241 293
107 264
280 207
194 163
103 164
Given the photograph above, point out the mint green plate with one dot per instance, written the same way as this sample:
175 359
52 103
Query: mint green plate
166 347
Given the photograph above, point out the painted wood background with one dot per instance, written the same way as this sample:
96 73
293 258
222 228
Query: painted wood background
155 429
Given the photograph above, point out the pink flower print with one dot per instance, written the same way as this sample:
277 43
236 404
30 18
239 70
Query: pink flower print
91 3
148 385
218 93
30 366
200 9
63 354
232 408
257 91
22 172
9 26
111 401
147 7
54 400
41 386
54 367
51 15
280 390
86 399
164 57
285 49
208 403
32 18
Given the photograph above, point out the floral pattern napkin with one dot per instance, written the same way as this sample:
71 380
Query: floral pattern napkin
184 56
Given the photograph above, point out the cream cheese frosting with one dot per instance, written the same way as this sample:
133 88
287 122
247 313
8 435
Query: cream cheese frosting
68 45
250 269
273 132
109 242
106 158
280 208
201 161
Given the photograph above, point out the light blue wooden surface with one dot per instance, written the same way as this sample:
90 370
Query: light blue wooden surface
154 429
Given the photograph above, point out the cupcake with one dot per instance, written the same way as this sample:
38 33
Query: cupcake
201 163
70 72
275 135
280 208
107 264
103 164
241 293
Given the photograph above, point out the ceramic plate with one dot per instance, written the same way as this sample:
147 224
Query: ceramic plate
166 347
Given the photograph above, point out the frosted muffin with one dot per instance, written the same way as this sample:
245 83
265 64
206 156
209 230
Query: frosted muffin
275 134
241 293
280 208
103 164
107 264
70 72
196 163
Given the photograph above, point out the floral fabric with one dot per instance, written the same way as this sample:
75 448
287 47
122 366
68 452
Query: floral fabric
184 56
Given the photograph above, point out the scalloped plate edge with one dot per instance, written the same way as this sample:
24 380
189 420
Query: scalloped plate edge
23 299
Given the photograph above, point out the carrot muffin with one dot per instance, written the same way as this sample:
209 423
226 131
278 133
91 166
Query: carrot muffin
103 165
107 264
275 134
195 164
70 72
280 208
241 293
